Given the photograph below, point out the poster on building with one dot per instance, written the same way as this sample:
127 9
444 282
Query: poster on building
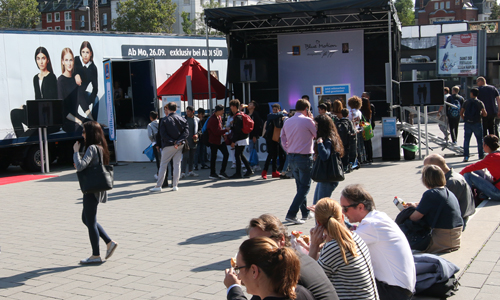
457 54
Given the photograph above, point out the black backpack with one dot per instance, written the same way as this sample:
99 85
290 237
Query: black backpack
345 131
472 111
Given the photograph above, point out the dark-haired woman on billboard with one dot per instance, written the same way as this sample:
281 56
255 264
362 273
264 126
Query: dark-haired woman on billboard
67 90
86 78
45 86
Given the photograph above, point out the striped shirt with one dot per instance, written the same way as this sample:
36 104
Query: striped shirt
354 280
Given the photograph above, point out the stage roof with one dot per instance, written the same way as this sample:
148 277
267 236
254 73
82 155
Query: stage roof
266 21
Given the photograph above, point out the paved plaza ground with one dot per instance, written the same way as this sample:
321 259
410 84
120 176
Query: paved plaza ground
176 245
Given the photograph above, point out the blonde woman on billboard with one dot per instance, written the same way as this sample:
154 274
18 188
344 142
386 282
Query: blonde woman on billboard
67 90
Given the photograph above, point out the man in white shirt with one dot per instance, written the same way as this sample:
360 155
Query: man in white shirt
390 252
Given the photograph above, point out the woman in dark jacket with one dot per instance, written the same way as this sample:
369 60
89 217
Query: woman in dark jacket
85 75
239 140
328 143
96 152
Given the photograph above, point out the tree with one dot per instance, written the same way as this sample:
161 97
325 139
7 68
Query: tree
200 21
405 12
145 16
187 24
19 13
495 11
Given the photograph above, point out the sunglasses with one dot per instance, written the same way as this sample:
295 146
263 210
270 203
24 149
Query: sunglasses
237 269
346 208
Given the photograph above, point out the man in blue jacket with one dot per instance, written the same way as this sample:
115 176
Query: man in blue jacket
173 134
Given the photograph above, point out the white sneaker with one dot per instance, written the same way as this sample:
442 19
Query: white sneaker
193 174
155 189
257 168
156 176
175 189
183 175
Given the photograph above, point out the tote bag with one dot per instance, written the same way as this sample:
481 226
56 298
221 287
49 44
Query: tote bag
254 158
149 152
97 178
367 129
328 171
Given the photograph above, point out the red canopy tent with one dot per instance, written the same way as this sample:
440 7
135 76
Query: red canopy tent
176 84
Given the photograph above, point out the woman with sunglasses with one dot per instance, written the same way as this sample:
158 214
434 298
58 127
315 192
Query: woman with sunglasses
268 271
95 153
345 258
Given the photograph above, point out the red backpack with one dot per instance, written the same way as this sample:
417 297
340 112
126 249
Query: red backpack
247 123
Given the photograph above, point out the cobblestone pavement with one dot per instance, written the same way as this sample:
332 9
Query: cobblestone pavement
175 245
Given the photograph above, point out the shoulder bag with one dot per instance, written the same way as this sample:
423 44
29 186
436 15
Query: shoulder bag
367 129
328 171
96 178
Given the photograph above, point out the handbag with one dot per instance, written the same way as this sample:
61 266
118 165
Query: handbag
96 178
149 152
328 171
367 129
254 158
185 147
276 134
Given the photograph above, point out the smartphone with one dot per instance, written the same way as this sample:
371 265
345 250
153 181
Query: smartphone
398 203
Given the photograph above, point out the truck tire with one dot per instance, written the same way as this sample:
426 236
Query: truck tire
32 162
4 163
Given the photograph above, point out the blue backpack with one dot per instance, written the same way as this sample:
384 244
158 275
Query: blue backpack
454 112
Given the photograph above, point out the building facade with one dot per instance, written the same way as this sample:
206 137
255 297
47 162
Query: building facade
431 11
74 14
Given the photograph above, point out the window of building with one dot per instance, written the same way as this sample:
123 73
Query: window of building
447 4
436 5
50 28
104 19
442 5
58 27
104 1
68 27
57 17
67 16
85 2
49 18
82 21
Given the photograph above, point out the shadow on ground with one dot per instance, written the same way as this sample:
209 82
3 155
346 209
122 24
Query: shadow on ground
19 279
215 237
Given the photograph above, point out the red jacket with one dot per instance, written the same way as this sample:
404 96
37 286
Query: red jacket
490 162
214 129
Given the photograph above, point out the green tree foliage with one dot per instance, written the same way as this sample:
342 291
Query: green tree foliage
19 13
200 21
495 11
405 12
145 16
187 24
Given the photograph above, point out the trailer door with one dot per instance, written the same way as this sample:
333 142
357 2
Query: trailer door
143 83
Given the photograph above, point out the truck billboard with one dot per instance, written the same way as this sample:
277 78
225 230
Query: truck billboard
48 65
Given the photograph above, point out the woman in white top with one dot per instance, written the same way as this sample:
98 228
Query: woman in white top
355 116
345 258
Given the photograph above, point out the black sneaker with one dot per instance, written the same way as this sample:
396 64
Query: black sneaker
223 175
235 176
196 168
205 167
248 174
213 176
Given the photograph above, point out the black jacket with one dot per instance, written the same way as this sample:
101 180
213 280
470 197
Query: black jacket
49 87
173 130
237 129
257 125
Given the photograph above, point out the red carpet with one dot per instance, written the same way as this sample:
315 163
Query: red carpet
21 178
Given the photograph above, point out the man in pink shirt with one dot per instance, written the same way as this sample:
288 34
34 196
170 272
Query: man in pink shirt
297 139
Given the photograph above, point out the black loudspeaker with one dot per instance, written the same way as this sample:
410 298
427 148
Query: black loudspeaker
391 148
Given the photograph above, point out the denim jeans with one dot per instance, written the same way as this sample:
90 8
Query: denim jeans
477 180
201 155
324 189
301 166
477 129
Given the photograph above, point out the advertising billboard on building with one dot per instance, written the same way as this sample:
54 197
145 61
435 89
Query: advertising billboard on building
460 54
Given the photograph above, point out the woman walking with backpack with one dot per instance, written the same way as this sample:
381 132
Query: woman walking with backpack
96 152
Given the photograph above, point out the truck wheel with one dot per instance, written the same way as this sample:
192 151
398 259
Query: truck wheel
32 161
4 163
